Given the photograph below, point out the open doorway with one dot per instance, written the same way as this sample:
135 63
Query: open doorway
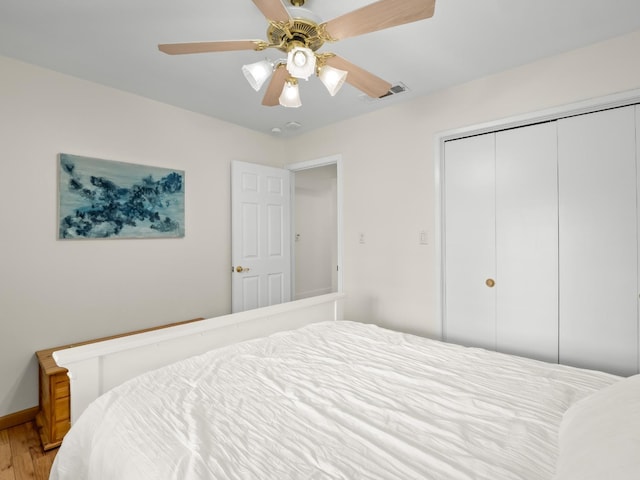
316 227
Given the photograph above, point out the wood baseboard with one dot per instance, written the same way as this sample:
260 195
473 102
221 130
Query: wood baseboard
18 418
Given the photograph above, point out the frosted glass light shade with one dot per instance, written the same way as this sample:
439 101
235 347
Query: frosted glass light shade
301 62
257 73
332 78
290 96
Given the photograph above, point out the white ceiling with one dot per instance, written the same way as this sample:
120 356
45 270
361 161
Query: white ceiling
114 42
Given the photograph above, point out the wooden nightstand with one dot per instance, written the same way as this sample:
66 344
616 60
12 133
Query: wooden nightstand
54 417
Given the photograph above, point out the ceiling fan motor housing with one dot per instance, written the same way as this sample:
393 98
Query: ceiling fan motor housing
298 32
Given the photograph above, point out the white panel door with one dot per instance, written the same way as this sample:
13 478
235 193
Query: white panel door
469 241
527 241
261 238
598 241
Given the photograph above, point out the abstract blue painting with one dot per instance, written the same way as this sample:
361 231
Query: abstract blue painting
107 199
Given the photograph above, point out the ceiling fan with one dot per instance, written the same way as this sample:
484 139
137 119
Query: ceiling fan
299 33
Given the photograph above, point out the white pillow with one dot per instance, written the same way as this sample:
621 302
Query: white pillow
600 435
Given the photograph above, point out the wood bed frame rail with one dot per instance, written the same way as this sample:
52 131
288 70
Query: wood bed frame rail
97 367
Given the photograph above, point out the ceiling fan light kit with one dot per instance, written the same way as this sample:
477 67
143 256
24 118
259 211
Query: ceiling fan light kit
301 62
290 96
332 78
258 73
299 33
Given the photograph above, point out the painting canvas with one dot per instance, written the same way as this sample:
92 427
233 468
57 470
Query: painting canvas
107 199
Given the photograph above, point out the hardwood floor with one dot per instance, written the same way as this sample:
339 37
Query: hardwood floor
21 455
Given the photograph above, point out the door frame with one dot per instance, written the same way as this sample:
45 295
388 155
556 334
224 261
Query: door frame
307 165
578 108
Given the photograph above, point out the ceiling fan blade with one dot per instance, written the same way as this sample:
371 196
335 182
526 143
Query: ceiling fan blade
273 10
272 95
378 16
361 79
205 47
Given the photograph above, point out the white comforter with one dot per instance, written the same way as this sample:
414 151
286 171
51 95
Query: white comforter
335 400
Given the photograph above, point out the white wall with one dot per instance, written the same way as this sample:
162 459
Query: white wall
55 292
388 159
315 231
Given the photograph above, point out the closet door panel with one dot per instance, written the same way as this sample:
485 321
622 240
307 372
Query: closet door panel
598 241
637 111
469 243
527 241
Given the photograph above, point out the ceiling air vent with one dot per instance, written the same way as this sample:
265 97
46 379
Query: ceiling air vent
395 89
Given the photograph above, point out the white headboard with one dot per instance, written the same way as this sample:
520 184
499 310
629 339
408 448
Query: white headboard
97 367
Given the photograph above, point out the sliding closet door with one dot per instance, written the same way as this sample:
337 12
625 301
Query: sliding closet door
527 241
469 243
598 241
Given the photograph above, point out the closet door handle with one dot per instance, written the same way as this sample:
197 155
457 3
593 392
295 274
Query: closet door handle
490 282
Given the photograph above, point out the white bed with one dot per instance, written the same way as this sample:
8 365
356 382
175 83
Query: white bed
344 400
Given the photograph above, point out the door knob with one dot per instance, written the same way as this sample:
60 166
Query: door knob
240 269
490 282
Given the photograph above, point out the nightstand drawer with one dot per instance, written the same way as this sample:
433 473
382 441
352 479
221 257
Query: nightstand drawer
60 429
61 389
61 406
